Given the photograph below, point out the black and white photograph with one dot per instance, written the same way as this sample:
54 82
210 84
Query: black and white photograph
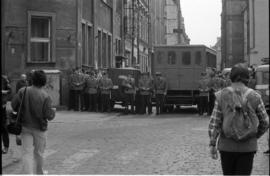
135 87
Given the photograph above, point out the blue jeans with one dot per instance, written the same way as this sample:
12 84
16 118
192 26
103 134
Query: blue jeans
33 148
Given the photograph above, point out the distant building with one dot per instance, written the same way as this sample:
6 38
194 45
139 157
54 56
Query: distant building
256 31
217 47
232 32
174 22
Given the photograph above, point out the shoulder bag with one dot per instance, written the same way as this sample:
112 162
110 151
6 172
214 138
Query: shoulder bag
16 126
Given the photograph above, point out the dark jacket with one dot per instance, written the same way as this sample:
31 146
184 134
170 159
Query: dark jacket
36 109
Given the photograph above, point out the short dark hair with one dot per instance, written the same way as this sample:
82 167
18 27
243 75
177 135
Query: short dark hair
240 73
39 78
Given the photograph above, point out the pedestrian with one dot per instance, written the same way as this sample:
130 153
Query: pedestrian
252 80
37 110
92 90
21 83
212 87
160 89
105 85
76 84
236 107
6 91
145 86
203 94
128 86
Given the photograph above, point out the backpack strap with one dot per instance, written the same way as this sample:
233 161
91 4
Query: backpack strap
248 91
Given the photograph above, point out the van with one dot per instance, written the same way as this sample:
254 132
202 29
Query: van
262 84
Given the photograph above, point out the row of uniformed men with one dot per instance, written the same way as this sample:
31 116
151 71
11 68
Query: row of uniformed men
211 83
86 89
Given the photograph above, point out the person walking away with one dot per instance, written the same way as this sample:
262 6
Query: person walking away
106 85
238 120
145 88
37 110
129 93
92 90
160 89
203 94
6 91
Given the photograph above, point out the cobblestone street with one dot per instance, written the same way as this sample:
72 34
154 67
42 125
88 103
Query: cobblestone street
84 143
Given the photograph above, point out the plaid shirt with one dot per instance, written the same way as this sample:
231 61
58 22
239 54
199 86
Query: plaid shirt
215 125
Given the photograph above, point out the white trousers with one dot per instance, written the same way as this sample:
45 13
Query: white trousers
33 148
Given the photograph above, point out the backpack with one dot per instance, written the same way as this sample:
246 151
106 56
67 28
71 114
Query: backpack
240 121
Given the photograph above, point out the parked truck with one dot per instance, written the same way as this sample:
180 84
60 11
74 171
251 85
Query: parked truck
182 66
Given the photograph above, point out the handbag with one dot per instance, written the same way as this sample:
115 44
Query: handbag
16 126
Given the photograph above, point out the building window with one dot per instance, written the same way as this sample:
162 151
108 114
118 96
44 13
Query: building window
99 48
109 50
84 49
90 45
87 46
160 55
186 58
41 38
171 58
104 48
198 58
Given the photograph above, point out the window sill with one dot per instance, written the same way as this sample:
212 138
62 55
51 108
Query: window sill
41 63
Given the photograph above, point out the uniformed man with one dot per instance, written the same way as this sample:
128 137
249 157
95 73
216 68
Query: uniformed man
85 74
145 86
129 91
77 83
105 85
227 80
92 91
160 89
203 95
212 86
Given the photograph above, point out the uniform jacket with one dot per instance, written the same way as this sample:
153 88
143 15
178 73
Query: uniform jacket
129 85
77 81
160 85
91 85
105 85
145 86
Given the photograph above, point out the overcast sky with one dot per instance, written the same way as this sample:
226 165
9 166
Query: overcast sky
202 20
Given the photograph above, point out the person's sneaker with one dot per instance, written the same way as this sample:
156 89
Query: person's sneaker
266 152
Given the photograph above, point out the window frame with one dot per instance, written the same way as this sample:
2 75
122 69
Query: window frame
51 38
183 58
